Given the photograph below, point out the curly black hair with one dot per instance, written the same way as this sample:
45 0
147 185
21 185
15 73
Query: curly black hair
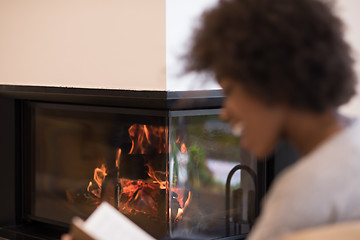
279 50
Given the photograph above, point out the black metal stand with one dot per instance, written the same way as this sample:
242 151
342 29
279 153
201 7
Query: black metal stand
228 198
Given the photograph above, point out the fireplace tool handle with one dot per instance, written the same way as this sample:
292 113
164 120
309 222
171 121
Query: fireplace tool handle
228 200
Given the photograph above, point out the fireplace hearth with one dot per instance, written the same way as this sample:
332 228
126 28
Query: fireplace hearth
160 158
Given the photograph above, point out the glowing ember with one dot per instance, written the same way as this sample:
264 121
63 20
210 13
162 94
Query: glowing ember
138 196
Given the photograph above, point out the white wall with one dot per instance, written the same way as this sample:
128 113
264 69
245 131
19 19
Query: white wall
349 11
181 18
117 44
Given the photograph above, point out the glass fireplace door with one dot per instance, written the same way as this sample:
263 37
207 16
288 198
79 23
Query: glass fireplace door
203 152
165 170
84 155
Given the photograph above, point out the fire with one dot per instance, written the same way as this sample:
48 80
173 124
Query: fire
145 139
138 196
100 174
181 198
95 185
118 154
154 175
143 195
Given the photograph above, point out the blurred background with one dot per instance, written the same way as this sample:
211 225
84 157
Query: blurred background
184 16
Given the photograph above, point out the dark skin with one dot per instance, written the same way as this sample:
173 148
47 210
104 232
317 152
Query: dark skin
264 125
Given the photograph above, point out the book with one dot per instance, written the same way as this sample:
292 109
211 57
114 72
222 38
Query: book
107 223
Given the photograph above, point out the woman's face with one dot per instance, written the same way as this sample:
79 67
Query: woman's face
262 124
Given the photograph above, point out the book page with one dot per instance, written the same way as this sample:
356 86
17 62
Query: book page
107 223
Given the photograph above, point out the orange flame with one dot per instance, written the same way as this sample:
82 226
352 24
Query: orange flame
99 177
146 138
118 154
180 198
138 196
142 195
100 174
156 179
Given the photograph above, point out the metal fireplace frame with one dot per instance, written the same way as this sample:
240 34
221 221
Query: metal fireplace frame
13 220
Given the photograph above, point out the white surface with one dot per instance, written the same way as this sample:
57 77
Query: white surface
220 170
320 188
115 44
349 12
181 18
106 223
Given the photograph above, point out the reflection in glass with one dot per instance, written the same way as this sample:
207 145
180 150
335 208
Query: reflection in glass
166 171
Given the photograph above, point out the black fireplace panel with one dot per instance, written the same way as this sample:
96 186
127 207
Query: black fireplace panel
9 199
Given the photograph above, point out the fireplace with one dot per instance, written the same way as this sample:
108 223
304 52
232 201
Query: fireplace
163 159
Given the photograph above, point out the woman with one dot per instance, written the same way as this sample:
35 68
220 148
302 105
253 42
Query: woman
285 70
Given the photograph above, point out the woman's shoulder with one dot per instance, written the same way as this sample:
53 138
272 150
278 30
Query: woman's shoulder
339 150
333 165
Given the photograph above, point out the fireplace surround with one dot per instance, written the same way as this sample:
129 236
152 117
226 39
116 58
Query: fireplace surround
170 146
